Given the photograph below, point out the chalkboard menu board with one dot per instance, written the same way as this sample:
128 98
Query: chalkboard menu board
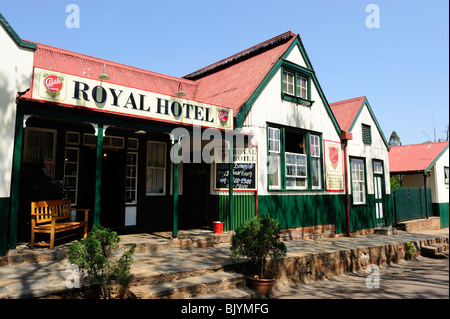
244 176
244 171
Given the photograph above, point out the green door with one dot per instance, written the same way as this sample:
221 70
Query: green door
378 184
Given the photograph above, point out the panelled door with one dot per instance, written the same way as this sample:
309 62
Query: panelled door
378 184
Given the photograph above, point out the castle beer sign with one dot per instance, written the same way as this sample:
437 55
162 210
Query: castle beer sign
107 97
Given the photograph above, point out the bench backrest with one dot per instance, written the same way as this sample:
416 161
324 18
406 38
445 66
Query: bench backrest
45 211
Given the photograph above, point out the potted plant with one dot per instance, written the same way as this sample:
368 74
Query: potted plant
259 239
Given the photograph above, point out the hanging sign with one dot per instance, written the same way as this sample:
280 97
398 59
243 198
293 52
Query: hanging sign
112 98
334 177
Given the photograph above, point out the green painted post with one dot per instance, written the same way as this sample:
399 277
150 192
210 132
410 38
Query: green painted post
230 188
98 175
175 189
17 159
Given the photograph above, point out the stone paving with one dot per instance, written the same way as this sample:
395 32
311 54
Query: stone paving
160 257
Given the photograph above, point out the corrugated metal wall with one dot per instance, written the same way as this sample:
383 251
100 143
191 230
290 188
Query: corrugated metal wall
244 209
410 204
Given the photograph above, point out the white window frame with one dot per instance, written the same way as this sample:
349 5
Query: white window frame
288 83
67 176
274 155
295 175
355 170
302 90
135 178
164 168
314 141
446 177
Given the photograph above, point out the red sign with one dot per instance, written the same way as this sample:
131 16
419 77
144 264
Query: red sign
223 116
53 83
334 155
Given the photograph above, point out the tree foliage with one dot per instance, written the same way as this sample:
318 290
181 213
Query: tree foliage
258 239
93 256
394 139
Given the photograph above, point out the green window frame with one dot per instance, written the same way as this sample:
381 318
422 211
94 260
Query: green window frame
290 169
296 85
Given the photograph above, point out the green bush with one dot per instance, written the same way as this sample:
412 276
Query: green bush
93 256
258 239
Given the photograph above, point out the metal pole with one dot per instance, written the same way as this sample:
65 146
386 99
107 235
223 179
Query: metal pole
230 189
98 175
175 188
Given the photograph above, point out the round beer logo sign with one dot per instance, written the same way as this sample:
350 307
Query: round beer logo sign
53 84
334 156
223 117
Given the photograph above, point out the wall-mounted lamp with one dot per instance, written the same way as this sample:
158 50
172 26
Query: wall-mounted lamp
104 76
180 92
140 132
306 103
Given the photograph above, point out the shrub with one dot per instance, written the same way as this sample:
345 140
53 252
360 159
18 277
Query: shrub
93 256
258 239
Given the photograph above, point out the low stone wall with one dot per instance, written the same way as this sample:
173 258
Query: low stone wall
310 267
309 232
431 223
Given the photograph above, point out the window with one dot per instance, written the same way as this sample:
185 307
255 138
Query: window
366 134
294 159
446 175
274 158
358 181
71 160
316 178
296 170
156 169
288 82
302 87
295 87
39 148
131 178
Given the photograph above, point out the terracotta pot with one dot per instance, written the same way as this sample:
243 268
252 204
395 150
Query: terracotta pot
263 286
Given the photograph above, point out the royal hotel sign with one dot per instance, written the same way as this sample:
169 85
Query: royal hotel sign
112 98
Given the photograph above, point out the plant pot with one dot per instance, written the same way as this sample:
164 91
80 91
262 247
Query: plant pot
263 286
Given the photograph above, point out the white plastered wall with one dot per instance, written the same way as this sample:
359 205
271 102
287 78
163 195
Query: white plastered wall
439 189
269 107
16 65
377 150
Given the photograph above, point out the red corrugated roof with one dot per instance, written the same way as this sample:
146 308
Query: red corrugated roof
56 59
415 157
345 111
231 81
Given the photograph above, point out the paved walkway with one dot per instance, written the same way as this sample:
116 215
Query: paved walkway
158 256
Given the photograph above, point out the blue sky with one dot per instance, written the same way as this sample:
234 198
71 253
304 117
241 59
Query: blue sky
402 66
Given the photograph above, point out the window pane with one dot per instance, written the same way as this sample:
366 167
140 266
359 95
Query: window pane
155 181
274 170
315 173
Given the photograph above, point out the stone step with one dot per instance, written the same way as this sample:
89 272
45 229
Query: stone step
386 231
439 250
236 293
196 286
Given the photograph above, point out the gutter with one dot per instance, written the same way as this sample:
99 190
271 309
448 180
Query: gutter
345 137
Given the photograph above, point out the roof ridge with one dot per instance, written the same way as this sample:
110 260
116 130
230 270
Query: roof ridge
417 144
348 100
243 54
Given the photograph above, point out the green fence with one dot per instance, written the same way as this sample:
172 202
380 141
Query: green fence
412 203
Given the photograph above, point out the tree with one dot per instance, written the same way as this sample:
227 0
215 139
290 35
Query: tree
394 140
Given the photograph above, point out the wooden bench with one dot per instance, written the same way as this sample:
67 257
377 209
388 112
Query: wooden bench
53 217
